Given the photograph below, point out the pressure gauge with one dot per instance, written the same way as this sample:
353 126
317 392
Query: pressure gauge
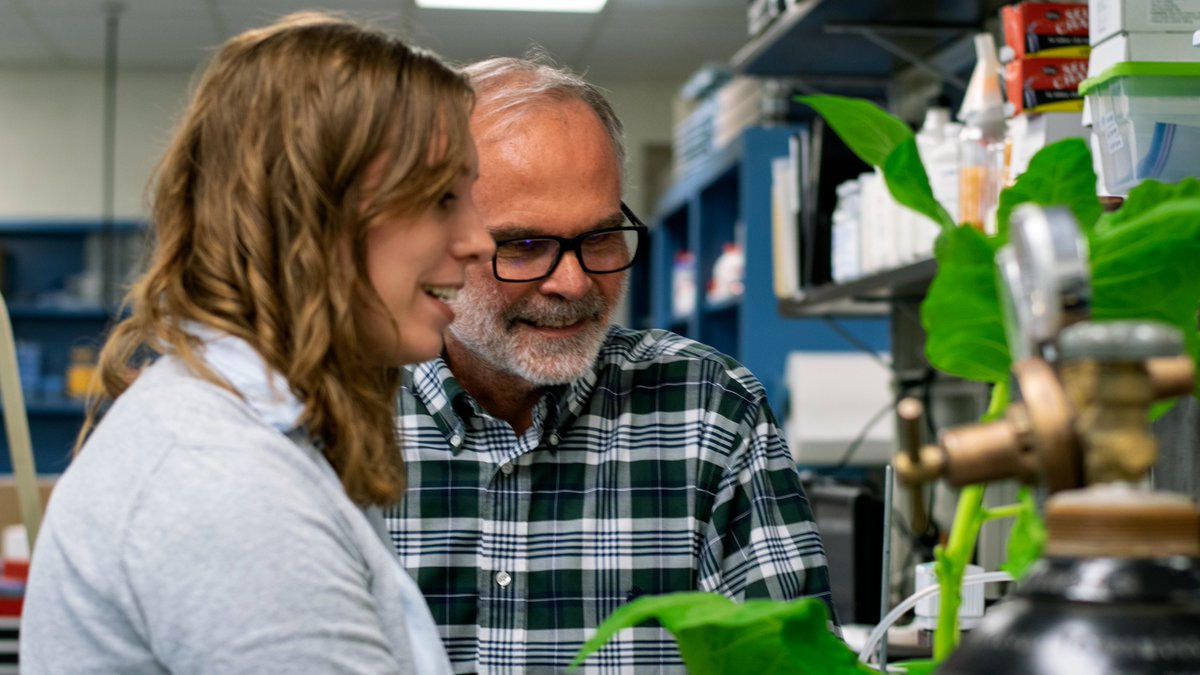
1045 283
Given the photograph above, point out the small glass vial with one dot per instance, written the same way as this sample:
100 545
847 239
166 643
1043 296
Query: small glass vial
980 177
82 379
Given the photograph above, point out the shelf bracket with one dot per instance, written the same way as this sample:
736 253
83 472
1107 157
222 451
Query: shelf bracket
819 84
875 35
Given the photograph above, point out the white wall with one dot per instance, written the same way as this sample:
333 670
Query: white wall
51 137
645 109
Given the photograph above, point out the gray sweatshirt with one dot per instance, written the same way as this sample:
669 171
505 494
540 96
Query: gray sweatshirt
191 535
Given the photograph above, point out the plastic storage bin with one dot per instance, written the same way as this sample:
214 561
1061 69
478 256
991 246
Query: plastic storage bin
1146 118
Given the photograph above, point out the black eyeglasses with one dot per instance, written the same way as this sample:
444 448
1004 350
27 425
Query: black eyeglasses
603 251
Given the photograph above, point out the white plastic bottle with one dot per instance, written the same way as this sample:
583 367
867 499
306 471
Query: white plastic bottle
937 142
683 284
874 215
728 271
845 257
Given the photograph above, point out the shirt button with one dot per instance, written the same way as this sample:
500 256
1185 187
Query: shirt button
553 439
456 440
503 579
506 468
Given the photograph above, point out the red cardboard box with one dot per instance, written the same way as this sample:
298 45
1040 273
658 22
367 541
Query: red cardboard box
1045 85
1046 29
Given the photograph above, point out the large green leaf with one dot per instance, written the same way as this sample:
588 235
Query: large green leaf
1144 197
864 127
666 608
884 141
1146 259
717 636
909 184
1060 174
961 312
813 648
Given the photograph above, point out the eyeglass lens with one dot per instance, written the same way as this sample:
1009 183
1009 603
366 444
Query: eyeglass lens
603 251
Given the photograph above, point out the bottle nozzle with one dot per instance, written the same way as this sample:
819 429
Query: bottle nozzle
983 105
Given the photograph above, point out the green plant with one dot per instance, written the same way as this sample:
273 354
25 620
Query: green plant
1144 262
1143 256
716 635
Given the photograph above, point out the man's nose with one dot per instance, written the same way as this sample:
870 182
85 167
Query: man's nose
569 279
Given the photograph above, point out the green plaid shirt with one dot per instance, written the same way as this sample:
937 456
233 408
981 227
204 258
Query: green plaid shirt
661 470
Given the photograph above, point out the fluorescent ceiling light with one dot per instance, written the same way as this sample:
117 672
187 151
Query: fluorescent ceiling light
577 6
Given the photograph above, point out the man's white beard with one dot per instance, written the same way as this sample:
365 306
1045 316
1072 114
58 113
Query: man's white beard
495 333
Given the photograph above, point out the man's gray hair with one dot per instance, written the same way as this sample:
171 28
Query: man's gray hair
507 87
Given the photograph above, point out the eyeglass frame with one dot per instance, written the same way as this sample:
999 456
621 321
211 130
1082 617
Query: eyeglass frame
572 245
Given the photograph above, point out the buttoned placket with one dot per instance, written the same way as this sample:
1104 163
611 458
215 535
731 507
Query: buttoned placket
504 512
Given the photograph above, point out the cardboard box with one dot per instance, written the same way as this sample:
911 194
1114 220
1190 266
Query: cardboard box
1031 132
1109 17
1046 29
10 513
1045 84
1171 47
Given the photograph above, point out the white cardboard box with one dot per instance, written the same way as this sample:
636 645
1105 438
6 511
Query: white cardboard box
1107 17
1032 132
1122 47
834 398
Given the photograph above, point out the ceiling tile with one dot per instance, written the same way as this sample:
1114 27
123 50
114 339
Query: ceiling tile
19 44
630 39
464 38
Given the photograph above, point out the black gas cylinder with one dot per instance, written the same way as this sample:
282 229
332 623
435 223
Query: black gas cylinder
1091 616
1118 592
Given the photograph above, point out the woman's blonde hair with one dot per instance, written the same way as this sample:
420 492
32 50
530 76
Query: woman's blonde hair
261 216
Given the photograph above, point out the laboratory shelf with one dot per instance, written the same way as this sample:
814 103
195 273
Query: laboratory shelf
867 295
858 47
727 198
53 313
51 270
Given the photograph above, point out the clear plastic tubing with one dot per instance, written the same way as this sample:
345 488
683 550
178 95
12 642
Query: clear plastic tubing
911 601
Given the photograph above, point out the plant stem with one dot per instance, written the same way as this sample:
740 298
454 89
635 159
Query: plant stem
998 512
952 560
951 563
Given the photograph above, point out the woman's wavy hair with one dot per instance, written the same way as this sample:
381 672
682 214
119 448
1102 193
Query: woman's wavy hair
261 216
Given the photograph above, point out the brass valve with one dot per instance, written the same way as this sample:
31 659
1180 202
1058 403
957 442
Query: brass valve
1083 424
1107 368
1017 446
911 411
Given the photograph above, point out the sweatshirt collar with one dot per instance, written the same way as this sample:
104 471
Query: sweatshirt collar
263 389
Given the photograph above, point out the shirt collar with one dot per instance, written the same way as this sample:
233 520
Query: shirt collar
449 404
264 390
435 387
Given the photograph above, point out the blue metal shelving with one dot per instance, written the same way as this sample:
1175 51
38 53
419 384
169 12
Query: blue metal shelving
40 258
699 214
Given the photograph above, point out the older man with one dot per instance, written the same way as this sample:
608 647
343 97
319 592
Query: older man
560 466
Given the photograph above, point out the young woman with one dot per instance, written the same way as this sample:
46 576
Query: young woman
312 215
